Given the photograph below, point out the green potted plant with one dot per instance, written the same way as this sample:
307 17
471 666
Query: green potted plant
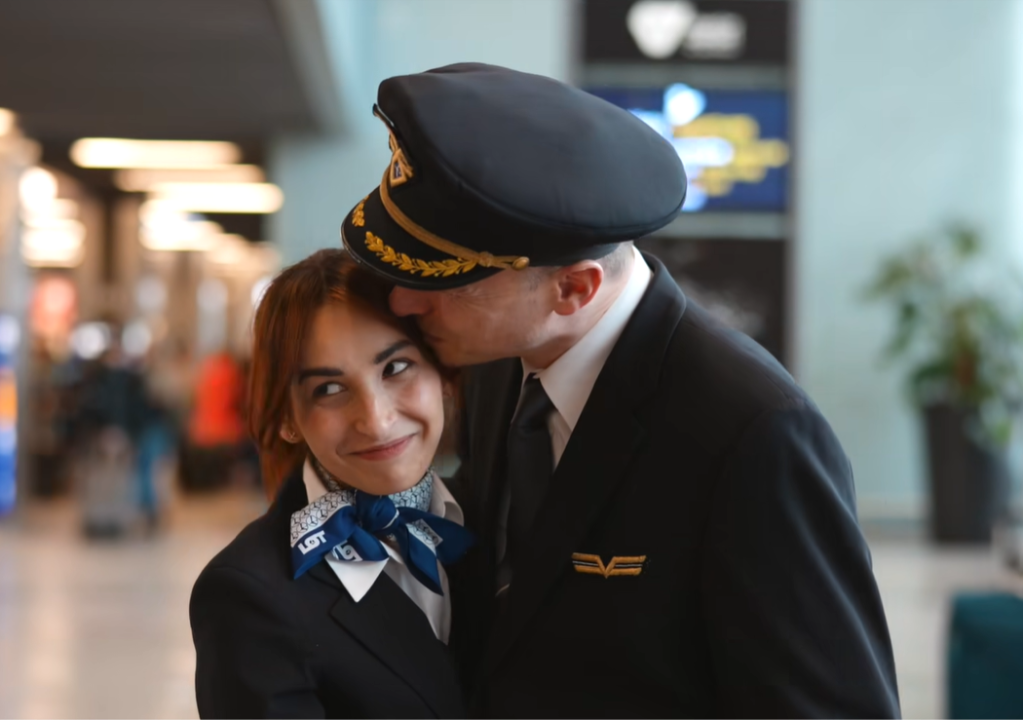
959 332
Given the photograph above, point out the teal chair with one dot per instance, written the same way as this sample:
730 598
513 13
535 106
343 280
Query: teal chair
985 656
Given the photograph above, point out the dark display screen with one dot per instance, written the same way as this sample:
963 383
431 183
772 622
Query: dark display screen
691 31
739 282
734 143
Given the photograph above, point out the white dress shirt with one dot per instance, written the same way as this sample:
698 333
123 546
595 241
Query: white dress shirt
569 380
358 577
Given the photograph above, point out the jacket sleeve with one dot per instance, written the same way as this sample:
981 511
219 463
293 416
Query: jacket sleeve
250 660
795 622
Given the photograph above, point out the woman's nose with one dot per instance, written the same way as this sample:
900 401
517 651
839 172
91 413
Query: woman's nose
405 301
375 415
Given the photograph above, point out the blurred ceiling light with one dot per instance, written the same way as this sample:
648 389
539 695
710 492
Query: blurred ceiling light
221 197
230 250
6 121
38 190
59 209
143 180
154 213
188 236
121 153
53 243
136 339
90 340
151 294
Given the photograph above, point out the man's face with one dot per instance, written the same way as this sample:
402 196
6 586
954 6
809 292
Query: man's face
503 316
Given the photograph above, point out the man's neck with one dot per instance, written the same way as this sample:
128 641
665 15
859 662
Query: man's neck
579 324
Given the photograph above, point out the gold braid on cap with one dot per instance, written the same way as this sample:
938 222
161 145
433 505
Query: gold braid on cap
463 254
463 259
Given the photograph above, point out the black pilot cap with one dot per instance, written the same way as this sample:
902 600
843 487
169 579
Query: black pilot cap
496 169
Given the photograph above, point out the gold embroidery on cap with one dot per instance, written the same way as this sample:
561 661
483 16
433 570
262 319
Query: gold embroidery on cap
359 214
465 259
483 259
428 268
400 169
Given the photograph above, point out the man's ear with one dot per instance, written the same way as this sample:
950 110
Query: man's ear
577 286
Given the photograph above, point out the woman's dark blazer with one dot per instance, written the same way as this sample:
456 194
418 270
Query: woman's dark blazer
271 646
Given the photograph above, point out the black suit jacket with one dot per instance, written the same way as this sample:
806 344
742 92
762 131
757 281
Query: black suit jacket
270 646
698 451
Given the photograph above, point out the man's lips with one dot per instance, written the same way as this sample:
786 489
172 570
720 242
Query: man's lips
386 450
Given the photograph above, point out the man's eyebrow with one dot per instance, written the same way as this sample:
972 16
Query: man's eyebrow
318 372
384 354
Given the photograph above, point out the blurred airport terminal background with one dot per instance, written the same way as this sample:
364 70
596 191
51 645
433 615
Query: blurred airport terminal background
856 207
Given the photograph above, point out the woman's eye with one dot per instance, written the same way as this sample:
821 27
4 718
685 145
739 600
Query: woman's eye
396 367
326 389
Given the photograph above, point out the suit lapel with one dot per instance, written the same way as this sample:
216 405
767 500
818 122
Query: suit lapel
491 413
597 457
386 621
396 631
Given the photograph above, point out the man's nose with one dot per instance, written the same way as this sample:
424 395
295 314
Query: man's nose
405 301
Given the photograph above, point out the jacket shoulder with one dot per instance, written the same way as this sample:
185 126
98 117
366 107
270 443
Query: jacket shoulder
259 552
720 380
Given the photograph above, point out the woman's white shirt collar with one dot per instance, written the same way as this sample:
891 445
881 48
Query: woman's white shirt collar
358 577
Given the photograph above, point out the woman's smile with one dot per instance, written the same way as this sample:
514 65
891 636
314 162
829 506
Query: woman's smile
385 451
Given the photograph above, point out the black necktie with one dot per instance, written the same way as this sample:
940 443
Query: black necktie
530 464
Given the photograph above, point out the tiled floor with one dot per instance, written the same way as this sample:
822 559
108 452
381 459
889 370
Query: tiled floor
101 629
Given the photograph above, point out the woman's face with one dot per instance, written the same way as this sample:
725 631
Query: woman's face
365 400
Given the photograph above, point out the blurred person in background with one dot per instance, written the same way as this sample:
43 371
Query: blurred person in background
47 442
112 413
215 428
336 602
667 523
171 382
167 388
248 470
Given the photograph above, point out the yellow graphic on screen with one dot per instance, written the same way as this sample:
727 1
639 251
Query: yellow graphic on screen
751 158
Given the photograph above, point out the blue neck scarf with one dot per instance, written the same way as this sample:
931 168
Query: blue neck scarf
352 526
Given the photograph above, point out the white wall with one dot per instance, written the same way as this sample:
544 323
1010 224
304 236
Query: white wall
907 116
323 178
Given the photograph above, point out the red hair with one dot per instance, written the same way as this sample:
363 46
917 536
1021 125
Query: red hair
282 321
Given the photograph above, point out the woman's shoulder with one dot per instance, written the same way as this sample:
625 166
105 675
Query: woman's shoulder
257 557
